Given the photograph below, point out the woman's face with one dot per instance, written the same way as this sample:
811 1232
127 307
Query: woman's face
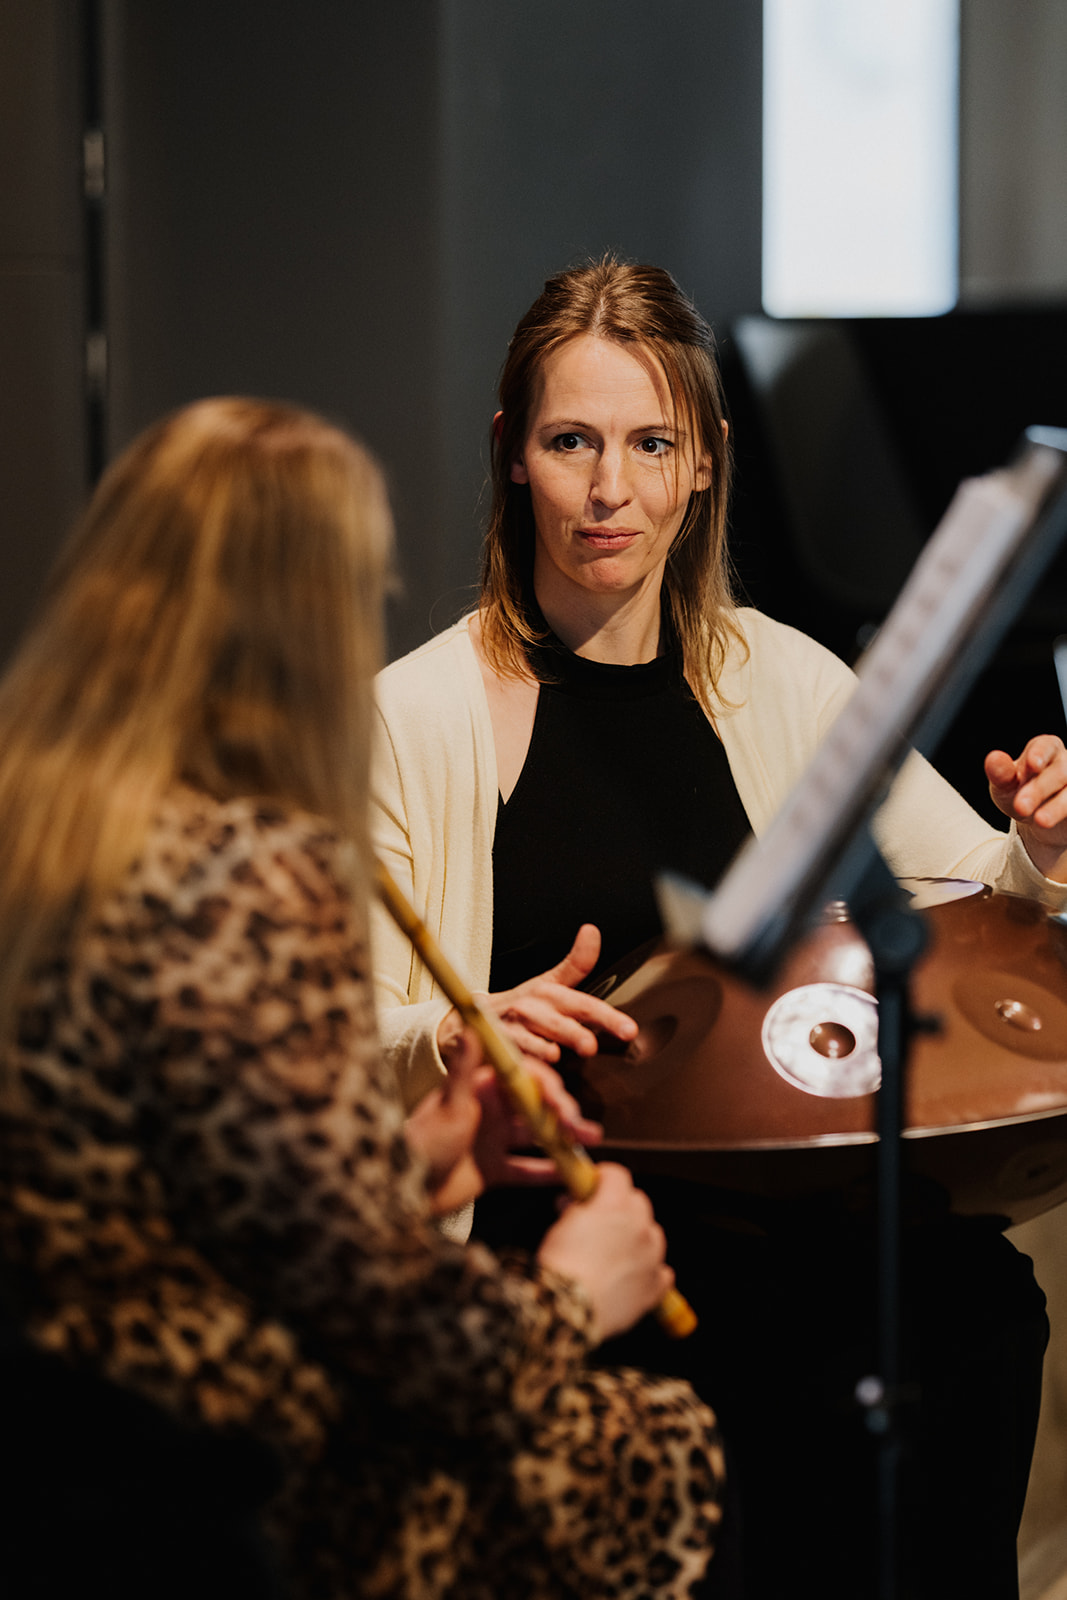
610 471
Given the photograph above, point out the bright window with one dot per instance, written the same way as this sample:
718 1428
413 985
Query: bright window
860 157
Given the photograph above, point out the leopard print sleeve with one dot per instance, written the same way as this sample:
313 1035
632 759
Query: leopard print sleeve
231 978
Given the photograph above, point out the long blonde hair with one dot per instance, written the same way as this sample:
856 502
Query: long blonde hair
639 306
215 619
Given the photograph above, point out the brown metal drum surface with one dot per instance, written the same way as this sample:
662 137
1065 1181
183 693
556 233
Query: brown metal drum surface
717 1085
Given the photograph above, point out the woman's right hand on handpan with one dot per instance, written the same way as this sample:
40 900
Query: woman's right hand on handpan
547 1013
613 1246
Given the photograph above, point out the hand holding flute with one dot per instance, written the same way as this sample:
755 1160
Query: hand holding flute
568 1241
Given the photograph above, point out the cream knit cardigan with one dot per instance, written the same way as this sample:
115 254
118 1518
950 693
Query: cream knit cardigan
435 800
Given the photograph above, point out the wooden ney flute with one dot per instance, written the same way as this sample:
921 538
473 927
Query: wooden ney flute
579 1173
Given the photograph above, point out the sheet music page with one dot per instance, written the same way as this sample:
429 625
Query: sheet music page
937 612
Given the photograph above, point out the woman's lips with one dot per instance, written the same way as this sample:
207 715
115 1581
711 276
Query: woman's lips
607 538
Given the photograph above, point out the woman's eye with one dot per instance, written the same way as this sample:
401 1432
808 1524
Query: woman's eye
654 446
567 442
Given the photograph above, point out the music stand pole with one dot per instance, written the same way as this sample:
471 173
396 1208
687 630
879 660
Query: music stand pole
896 937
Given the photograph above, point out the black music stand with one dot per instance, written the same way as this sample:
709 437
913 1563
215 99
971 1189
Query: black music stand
970 582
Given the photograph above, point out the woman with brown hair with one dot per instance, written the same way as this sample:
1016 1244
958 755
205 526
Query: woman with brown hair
209 1197
606 549
609 712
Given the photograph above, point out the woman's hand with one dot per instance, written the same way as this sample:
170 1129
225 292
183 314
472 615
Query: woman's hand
444 1125
548 1013
612 1245
466 1131
1033 792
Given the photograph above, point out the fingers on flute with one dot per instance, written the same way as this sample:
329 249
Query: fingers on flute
529 1171
565 1107
612 1245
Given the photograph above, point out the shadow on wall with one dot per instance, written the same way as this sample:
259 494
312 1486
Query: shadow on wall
851 439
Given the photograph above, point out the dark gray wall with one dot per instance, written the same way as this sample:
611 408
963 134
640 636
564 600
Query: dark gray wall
350 205
1013 155
42 410
272 221
570 130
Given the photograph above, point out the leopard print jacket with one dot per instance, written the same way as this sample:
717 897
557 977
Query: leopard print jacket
205 1196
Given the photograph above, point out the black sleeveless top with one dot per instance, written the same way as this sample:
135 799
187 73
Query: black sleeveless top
624 778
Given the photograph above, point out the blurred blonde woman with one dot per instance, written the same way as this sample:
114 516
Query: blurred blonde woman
208 1194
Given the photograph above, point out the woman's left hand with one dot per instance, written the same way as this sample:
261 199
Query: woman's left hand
1033 792
466 1130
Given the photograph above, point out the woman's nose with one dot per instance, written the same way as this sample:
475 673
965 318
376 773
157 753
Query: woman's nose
611 482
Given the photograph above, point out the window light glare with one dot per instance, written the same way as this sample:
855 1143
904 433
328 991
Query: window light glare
860 158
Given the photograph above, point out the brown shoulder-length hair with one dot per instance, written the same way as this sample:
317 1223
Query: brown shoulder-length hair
215 619
635 305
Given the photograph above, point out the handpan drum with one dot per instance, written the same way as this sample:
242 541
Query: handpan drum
772 1091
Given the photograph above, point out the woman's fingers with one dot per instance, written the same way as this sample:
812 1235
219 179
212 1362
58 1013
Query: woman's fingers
528 1171
580 959
546 1014
550 1006
612 1244
566 1017
444 1127
1022 786
566 1108
1032 790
